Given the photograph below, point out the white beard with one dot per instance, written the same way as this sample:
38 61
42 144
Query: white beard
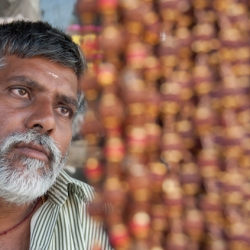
34 178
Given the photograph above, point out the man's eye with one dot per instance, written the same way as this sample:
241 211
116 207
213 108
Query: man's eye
20 92
66 111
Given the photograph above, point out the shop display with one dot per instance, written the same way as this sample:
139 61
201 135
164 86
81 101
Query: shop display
168 95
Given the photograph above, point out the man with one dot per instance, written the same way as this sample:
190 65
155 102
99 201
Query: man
41 207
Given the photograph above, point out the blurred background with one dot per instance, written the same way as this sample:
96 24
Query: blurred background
57 12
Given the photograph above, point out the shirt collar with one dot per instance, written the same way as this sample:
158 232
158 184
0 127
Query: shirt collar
65 186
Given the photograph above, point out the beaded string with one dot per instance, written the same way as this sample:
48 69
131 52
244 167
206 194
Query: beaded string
24 219
168 91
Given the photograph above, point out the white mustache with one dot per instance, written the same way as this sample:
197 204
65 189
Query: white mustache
35 137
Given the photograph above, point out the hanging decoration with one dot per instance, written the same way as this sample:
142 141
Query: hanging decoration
168 96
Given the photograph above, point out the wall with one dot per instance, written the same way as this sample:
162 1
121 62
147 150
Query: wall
59 13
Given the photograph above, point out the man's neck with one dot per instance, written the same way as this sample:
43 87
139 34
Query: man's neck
15 224
11 214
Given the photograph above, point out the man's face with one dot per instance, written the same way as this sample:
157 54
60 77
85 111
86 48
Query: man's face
36 95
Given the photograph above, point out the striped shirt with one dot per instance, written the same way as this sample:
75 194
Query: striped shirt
63 223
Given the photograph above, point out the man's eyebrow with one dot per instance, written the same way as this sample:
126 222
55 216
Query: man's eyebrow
68 100
27 81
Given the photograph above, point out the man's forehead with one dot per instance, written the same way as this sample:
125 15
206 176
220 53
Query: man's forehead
8 60
41 70
53 75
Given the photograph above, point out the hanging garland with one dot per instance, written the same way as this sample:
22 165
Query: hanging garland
168 96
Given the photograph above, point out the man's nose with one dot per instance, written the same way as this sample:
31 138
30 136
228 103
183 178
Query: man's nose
42 117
